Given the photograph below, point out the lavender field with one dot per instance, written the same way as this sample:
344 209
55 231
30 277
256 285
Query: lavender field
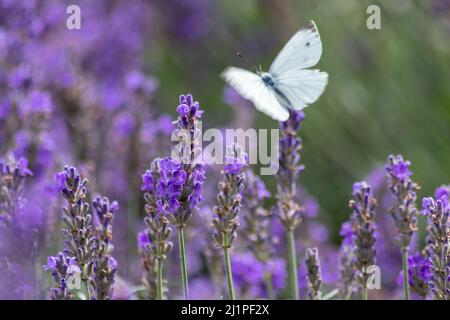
95 206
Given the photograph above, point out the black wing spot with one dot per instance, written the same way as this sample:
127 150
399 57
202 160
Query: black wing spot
308 44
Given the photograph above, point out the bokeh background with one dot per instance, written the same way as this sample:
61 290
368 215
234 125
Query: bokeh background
103 97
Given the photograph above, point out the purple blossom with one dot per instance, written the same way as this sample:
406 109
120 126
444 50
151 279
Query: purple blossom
363 223
314 274
403 208
13 174
147 181
442 191
143 240
235 164
37 102
229 201
191 176
347 233
399 168
79 241
290 145
62 268
163 182
51 263
438 242
419 273
247 270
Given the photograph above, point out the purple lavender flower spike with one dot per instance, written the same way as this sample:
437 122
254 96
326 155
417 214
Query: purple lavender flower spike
229 201
403 209
105 266
13 173
150 267
192 174
290 145
288 210
438 245
314 274
161 201
64 270
363 223
404 190
79 238
348 286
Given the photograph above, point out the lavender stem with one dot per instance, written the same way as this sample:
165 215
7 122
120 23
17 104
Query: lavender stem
364 294
292 265
405 274
159 276
231 294
183 264
87 294
269 285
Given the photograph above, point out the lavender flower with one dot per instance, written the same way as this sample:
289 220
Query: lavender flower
442 191
161 200
290 144
150 267
188 153
13 174
419 274
189 114
363 223
347 273
438 245
105 265
287 209
79 239
404 209
62 268
314 276
229 204
404 190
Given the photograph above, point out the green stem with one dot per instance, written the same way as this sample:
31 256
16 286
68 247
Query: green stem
159 279
292 265
87 293
229 274
364 292
405 273
183 264
269 286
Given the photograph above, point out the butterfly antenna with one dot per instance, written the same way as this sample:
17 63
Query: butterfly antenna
251 65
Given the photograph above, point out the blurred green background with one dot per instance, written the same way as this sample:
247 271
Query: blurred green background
388 90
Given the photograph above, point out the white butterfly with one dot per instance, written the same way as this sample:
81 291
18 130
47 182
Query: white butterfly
288 84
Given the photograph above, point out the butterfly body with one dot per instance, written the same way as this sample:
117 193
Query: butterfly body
268 79
288 84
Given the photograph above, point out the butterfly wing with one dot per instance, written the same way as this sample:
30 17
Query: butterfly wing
300 88
250 86
302 51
